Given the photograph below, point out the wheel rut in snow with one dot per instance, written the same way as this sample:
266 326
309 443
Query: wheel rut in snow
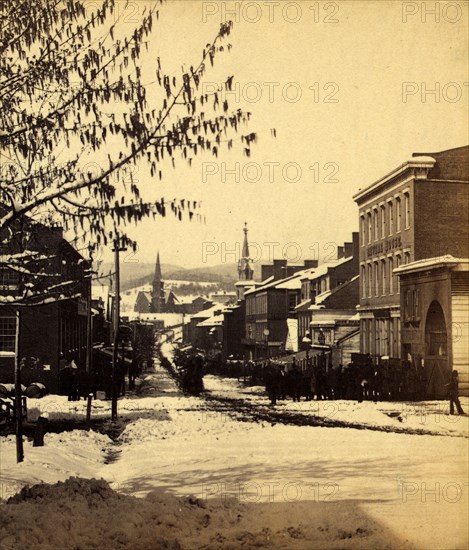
242 411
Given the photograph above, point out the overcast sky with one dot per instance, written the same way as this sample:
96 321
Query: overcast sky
329 77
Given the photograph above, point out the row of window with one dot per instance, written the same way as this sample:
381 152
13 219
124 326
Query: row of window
315 287
381 336
73 334
385 220
378 278
256 304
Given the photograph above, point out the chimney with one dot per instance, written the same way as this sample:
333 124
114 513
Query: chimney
309 264
278 269
348 250
340 252
266 271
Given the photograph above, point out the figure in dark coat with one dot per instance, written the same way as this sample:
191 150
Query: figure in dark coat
295 381
454 393
271 383
70 382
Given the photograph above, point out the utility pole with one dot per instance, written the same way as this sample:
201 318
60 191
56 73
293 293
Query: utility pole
89 321
89 331
18 393
116 251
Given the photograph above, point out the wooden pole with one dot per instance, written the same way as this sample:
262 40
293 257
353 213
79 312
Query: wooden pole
116 331
41 428
18 393
88 410
89 332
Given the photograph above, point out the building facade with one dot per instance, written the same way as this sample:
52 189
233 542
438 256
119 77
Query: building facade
435 320
417 211
52 330
326 279
271 316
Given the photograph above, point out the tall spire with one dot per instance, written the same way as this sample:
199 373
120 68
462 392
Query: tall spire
157 295
157 276
245 242
245 271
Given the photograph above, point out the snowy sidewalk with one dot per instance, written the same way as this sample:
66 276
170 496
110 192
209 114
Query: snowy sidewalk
425 417
179 445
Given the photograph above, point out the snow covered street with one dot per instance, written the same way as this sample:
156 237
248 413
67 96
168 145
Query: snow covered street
227 447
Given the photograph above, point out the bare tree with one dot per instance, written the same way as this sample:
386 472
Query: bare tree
75 119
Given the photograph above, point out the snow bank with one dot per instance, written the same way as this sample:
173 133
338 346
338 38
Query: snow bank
66 454
88 514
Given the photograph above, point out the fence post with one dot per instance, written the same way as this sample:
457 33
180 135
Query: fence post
88 410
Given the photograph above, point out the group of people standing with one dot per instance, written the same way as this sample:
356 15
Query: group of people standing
77 382
358 381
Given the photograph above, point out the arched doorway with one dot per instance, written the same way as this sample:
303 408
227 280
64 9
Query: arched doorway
436 352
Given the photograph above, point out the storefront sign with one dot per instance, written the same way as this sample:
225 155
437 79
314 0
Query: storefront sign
384 246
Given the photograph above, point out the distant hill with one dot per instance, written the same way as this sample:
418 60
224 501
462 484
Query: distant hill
135 274
224 273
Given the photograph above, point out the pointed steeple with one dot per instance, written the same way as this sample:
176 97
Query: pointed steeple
245 271
245 253
157 276
157 295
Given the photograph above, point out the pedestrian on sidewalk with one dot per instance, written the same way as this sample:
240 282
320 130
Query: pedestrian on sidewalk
454 393
295 381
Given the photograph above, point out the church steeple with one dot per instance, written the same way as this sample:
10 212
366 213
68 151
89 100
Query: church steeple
245 242
157 294
245 271
157 276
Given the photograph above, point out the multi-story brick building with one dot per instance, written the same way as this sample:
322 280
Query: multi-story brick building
417 211
51 328
269 309
325 279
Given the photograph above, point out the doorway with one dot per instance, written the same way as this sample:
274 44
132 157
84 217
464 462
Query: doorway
436 352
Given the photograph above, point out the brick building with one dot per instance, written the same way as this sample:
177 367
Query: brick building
51 330
417 211
271 318
318 285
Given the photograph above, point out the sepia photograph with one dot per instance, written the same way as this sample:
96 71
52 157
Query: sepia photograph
234 275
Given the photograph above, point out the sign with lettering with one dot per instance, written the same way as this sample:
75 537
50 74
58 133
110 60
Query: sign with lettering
384 246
